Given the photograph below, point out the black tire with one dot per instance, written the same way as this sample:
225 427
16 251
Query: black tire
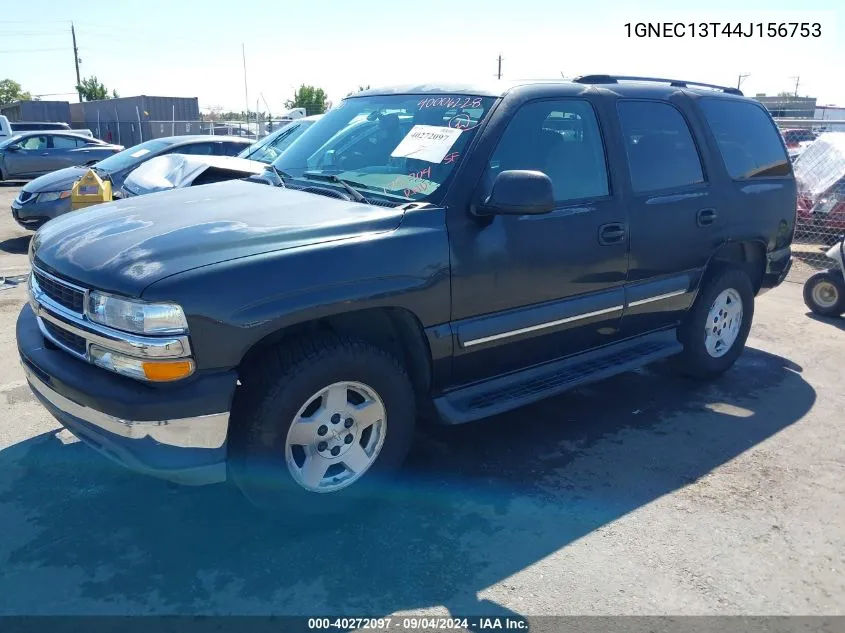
695 361
276 385
835 284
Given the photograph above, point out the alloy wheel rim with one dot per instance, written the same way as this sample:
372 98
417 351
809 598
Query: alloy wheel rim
825 294
724 321
335 437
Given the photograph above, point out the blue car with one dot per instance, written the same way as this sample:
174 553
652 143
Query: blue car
48 197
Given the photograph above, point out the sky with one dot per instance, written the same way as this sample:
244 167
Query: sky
193 49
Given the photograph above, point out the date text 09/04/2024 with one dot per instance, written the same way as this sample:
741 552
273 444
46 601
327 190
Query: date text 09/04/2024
724 29
418 624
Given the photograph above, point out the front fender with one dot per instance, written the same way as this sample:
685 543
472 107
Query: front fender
233 305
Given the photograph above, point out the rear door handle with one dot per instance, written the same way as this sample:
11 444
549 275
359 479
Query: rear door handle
612 233
45 153
706 217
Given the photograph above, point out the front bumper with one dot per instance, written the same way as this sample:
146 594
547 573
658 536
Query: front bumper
31 214
175 432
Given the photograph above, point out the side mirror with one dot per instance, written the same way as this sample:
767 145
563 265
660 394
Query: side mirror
519 192
14 147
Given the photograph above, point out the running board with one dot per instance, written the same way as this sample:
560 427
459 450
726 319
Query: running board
504 393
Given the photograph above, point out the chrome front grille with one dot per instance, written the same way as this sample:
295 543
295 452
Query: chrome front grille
68 340
65 294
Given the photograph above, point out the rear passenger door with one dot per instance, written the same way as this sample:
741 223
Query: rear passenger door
677 218
64 152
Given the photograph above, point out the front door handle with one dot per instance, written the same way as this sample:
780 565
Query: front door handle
45 153
706 217
612 233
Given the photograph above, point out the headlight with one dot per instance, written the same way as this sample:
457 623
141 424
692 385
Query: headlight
51 196
140 369
136 316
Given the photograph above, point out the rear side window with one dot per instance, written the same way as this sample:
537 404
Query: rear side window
228 149
202 149
748 139
661 152
65 142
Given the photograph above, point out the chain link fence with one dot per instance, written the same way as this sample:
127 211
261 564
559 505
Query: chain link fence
129 133
817 150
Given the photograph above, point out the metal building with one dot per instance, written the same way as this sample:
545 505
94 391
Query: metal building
131 120
46 111
788 106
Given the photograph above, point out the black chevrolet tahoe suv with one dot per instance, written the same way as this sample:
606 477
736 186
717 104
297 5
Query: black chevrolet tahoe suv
433 252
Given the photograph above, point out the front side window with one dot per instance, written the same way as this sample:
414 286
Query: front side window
661 152
747 137
34 143
562 140
400 147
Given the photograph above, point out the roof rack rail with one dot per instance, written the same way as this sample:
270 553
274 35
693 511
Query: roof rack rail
612 79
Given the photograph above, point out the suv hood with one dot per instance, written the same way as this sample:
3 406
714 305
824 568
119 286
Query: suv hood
125 246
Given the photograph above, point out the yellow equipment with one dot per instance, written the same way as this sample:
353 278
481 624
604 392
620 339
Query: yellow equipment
89 190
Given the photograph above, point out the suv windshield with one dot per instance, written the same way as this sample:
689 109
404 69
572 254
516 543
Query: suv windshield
402 147
131 156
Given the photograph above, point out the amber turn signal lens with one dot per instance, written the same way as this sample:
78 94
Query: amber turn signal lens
164 371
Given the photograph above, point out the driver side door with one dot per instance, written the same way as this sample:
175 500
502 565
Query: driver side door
534 288
32 159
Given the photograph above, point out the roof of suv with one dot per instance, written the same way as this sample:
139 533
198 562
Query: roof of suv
628 88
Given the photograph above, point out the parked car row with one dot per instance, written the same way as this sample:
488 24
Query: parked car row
168 163
439 252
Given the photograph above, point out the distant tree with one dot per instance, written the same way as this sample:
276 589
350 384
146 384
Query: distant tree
114 94
360 89
92 89
314 100
11 91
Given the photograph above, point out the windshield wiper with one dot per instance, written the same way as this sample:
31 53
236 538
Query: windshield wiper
282 175
346 184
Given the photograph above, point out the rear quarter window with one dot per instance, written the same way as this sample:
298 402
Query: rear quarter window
748 139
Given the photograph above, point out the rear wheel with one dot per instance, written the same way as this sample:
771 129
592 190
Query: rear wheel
717 326
319 425
824 293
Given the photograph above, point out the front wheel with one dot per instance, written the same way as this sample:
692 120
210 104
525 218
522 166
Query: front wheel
717 326
824 293
320 424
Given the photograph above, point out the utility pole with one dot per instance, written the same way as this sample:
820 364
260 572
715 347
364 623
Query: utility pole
742 77
797 79
76 61
246 94
499 75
